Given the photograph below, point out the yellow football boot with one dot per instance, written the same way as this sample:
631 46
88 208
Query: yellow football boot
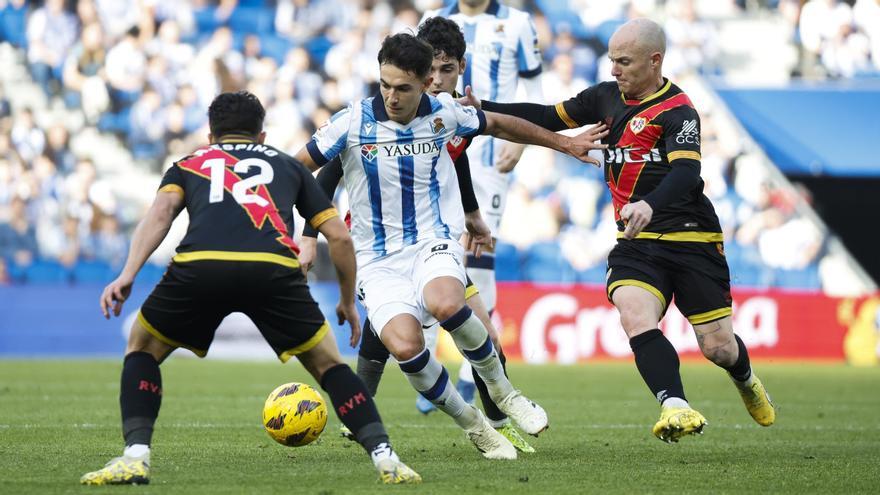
509 432
676 422
395 472
120 471
757 401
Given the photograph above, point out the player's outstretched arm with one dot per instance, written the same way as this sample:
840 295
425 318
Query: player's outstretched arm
150 232
328 178
305 158
342 254
522 131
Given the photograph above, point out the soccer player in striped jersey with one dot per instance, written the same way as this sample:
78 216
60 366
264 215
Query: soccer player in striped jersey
407 219
502 51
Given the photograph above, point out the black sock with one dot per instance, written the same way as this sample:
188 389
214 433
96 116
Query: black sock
742 368
372 357
354 406
140 396
658 363
489 406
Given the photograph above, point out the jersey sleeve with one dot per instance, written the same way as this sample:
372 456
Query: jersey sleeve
311 202
469 120
329 140
682 134
172 181
580 110
528 54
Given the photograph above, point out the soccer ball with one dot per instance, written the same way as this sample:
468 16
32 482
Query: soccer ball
294 414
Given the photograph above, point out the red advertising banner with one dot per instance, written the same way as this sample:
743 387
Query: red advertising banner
568 324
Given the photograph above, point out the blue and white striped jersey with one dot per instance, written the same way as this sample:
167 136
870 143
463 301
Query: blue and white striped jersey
400 179
502 47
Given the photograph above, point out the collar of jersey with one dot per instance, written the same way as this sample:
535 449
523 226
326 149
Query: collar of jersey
663 89
236 138
492 9
382 116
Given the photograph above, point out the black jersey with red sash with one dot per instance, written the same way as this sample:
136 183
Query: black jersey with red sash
239 196
647 139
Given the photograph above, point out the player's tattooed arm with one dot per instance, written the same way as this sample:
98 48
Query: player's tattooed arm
522 131
150 232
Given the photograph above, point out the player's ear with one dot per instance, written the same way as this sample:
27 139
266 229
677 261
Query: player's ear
261 137
656 59
210 138
428 82
462 65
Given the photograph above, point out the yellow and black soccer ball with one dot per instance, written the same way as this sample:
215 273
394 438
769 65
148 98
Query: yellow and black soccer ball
294 414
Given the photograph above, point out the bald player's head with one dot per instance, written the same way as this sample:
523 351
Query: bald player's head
636 51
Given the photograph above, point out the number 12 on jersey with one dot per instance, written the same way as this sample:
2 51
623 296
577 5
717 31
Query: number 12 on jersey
241 188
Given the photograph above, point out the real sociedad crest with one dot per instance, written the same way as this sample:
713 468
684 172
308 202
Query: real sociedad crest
637 124
369 151
437 125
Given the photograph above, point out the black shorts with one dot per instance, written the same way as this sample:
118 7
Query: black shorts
192 299
695 273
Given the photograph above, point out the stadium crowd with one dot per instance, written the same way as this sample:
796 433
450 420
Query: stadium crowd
101 95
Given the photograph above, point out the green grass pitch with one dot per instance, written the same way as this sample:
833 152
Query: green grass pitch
59 419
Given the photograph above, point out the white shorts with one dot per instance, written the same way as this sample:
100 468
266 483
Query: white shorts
394 284
491 188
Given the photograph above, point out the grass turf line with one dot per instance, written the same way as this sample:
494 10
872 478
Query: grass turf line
59 419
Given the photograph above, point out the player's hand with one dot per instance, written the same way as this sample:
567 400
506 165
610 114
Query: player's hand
308 249
580 145
115 294
509 157
348 312
478 234
637 216
469 99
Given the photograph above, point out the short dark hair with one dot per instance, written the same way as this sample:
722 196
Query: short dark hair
239 112
443 35
407 53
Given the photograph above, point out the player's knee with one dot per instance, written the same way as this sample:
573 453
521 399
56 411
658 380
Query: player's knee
722 353
404 351
635 322
445 309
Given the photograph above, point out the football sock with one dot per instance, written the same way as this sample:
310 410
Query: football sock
658 364
381 452
482 273
473 341
372 357
370 372
741 370
354 406
431 334
496 417
137 450
466 371
431 379
140 396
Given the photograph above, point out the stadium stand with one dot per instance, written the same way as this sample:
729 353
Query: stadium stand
97 98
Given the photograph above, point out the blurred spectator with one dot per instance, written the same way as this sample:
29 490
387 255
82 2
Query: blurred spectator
126 69
84 73
51 31
27 137
106 242
18 238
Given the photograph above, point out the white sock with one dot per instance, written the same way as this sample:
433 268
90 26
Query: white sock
472 339
137 450
466 372
381 452
676 402
431 337
484 279
431 379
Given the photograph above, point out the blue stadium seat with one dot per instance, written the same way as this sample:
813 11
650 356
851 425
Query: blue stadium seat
206 23
806 279
46 272
544 263
91 272
252 20
508 266
275 46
